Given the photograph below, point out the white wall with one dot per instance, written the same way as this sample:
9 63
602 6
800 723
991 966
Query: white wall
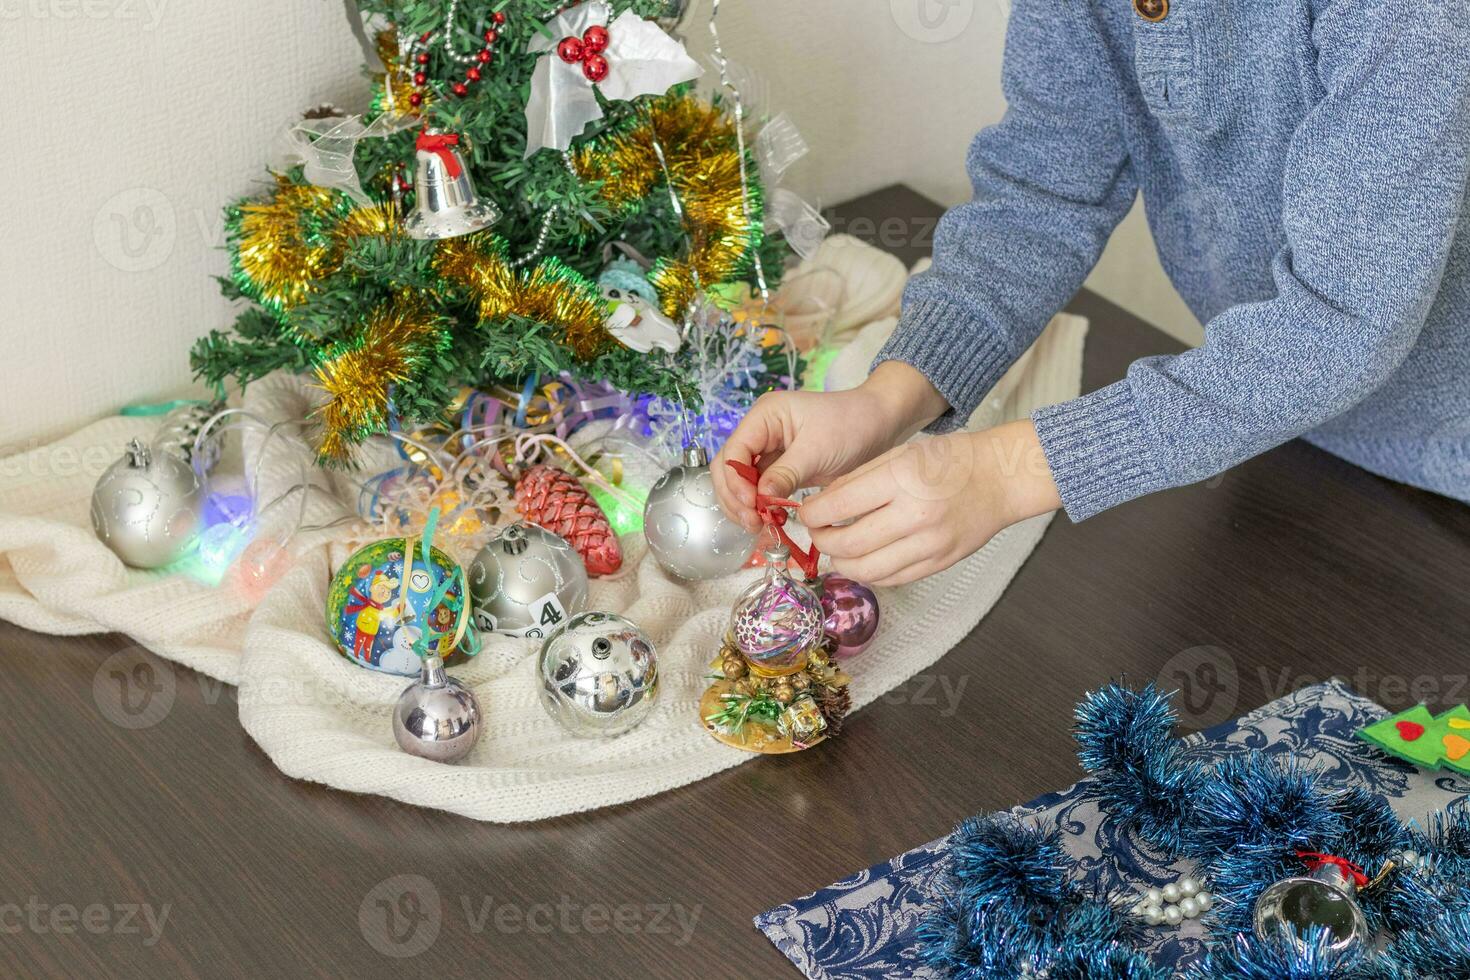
129 123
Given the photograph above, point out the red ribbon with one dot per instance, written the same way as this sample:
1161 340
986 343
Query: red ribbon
772 512
439 144
1315 859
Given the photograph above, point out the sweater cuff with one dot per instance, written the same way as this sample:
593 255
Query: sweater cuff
961 359
1099 451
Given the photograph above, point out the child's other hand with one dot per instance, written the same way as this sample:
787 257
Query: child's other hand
922 507
806 438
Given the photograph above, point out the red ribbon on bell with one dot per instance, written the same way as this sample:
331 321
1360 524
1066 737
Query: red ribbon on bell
772 512
1315 859
441 145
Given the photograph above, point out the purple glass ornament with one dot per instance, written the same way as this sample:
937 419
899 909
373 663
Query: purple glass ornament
850 612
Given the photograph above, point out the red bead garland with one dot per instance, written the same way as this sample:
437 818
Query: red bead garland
484 57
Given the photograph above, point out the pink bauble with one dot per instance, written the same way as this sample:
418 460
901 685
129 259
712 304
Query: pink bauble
850 613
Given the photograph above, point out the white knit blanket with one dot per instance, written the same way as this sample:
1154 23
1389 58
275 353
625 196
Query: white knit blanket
321 718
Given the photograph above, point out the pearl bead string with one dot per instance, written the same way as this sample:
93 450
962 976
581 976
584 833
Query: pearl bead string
1175 902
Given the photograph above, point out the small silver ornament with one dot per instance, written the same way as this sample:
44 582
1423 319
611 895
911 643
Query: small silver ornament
146 507
686 530
1325 898
445 202
437 718
526 582
599 675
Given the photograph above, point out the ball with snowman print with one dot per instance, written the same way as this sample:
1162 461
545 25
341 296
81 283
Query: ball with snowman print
377 606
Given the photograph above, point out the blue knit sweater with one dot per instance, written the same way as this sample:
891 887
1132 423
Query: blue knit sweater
1303 165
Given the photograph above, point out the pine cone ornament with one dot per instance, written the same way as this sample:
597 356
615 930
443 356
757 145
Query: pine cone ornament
834 703
554 499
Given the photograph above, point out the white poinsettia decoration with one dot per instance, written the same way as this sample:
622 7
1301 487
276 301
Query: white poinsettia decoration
623 59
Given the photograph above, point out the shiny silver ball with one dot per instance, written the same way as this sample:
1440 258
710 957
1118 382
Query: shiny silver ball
527 582
599 675
146 507
686 530
437 718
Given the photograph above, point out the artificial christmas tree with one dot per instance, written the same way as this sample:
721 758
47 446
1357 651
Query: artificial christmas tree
444 240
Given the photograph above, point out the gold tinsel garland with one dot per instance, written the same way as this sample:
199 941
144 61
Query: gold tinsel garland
549 292
703 159
357 378
286 243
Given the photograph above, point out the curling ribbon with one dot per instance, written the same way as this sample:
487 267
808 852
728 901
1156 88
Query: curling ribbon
1315 859
772 512
439 144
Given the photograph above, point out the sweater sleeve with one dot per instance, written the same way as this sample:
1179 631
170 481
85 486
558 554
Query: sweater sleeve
1051 181
1373 191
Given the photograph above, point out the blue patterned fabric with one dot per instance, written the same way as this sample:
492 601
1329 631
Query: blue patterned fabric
864 926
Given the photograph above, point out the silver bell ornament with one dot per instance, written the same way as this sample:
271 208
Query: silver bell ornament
1325 897
146 507
437 718
526 582
599 675
445 202
686 530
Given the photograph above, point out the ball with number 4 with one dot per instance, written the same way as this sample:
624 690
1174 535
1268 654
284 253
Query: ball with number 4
526 582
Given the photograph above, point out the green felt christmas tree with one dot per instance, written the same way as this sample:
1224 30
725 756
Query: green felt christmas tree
1421 738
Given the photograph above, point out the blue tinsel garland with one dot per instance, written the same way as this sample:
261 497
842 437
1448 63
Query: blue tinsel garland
1017 908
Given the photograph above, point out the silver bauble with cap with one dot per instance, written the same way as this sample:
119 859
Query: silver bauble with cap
146 507
436 717
445 202
526 582
686 530
1326 898
599 675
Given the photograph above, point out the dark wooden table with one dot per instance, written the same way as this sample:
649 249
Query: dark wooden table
1293 568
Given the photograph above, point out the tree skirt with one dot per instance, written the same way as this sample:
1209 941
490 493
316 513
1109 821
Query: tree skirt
321 718
867 925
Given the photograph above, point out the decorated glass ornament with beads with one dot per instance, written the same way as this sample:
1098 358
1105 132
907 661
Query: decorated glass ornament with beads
379 603
777 621
1290 876
777 688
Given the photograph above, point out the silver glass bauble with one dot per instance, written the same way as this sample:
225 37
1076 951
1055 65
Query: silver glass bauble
526 582
686 530
1326 899
599 675
445 202
437 717
146 507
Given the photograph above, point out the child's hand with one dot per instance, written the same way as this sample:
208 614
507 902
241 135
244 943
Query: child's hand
922 507
806 438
